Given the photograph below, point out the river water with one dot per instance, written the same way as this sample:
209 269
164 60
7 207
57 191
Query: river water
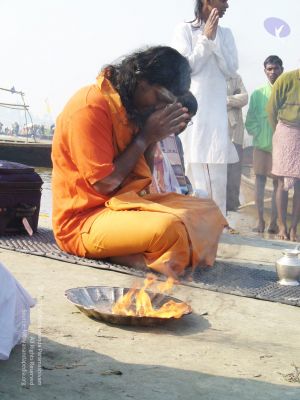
46 201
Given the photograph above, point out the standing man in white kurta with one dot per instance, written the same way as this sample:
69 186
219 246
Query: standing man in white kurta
212 54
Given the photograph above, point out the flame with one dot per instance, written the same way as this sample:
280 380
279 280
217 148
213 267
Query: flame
137 302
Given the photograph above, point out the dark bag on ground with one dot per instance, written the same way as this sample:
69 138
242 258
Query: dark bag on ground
20 197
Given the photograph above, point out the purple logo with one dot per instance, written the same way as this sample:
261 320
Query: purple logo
277 27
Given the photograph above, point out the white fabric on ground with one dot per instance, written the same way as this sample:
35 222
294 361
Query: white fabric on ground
209 180
15 305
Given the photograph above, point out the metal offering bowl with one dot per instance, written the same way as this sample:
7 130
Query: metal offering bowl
97 301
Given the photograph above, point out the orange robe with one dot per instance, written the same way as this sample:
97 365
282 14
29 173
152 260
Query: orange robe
167 228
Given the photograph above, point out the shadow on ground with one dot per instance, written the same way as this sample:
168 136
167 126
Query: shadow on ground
74 373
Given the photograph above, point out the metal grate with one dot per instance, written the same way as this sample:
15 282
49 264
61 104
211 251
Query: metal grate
228 278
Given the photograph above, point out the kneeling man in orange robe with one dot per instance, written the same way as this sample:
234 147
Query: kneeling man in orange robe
102 156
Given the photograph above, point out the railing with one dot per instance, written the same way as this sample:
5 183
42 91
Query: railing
16 106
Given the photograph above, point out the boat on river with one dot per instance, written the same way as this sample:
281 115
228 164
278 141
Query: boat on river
24 148
36 154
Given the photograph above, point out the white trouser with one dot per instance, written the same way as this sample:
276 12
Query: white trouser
209 180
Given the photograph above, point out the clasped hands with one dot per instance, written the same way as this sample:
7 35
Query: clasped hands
172 118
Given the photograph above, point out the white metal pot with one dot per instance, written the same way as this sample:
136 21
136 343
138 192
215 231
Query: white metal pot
288 268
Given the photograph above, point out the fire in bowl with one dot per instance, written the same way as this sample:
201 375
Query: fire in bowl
100 302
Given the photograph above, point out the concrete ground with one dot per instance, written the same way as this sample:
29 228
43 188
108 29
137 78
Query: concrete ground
229 348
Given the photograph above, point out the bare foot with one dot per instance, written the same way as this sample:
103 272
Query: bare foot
260 228
293 235
282 234
230 230
167 269
273 228
132 260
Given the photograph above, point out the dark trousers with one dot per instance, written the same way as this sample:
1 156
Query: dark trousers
234 173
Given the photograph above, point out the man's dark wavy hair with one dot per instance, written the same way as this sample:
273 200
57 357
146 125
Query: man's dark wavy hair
159 65
189 101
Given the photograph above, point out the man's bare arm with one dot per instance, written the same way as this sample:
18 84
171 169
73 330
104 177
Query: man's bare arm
159 125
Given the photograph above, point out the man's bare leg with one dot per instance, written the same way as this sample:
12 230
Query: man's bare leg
296 212
260 183
282 202
273 227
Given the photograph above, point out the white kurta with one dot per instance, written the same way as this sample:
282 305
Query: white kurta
212 61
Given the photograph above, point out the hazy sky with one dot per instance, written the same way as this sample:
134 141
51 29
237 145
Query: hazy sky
50 48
